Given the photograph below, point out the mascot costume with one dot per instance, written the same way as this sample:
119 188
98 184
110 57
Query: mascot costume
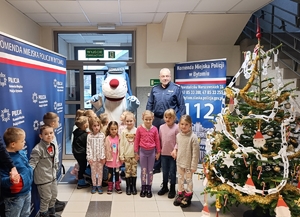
116 96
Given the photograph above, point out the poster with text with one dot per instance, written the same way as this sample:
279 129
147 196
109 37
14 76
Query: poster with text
32 81
202 84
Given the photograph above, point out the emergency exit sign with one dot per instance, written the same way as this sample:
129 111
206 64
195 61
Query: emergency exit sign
94 53
154 82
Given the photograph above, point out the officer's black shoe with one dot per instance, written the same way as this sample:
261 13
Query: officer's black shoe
156 171
59 206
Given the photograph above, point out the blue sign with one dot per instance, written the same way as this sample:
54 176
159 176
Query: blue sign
32 83
202 84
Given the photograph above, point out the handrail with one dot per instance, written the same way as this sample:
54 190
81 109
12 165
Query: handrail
289 40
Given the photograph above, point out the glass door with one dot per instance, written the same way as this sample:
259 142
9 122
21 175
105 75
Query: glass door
74 101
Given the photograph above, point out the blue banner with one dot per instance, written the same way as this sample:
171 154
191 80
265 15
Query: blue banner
202 85
32 82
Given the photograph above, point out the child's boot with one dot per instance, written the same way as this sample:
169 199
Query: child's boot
52 213
164 189
118 187
44 214
110 187
128 185
133 185
143 191
149 191
172 191
178 199
82 184
186 201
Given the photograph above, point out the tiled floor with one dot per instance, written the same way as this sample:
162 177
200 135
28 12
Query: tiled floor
81 203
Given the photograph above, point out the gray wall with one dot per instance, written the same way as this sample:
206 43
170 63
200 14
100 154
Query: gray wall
142 95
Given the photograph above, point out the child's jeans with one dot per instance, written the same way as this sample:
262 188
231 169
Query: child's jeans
169 168
18 206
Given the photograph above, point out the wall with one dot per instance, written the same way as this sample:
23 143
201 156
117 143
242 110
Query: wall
16 24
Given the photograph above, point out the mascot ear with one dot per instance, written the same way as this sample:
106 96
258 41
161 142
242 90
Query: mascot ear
128 84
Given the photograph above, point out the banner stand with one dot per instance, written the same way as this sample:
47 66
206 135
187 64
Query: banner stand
32 83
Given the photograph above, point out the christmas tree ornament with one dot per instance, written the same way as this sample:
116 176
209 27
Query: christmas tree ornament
239 130
270 85
259 141
287 105
282 210
228 161
249 186
231 105
276 169
205 212
270 133
259 168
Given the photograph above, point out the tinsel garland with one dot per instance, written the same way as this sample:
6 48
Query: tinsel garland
266 200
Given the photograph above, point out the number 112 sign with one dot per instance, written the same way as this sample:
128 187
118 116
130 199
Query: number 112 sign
202 85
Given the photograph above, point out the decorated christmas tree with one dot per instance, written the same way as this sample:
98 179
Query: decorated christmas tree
253 153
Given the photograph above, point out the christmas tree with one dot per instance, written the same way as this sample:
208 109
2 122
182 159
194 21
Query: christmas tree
252 153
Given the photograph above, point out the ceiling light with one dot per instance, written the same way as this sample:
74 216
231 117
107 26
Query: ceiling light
99 42
106 26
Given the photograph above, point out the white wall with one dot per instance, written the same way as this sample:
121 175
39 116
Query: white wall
16 24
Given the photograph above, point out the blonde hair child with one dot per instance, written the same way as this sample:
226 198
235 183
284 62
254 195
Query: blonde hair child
147 149
186 153
127 153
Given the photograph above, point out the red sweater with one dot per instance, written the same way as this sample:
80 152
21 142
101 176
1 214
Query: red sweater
147 139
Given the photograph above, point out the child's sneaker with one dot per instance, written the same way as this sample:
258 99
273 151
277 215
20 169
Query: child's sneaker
94 189
100 191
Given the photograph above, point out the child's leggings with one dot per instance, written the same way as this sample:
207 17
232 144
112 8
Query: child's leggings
147 158
96 168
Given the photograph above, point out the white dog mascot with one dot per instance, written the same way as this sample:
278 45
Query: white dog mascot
116 94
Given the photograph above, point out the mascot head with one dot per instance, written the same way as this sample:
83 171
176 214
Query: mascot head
116 82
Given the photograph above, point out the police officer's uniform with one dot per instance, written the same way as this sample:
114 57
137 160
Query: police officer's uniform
161 99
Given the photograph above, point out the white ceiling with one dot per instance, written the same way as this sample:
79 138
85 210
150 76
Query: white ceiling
82 13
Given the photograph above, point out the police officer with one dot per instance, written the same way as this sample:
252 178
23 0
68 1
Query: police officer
164 96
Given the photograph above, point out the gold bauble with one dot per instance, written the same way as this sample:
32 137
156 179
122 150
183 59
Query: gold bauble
270 133
276 168
250 112
270 85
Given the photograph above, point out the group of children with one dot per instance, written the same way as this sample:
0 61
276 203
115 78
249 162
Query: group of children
124 143
100 142
40 168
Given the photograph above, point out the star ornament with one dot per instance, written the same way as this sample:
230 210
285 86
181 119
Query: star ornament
228 161
297 202
218 125
239 130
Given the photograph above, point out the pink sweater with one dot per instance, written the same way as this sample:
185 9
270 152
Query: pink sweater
147 139
168 138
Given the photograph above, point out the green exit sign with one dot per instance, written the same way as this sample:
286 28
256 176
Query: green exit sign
154 82
94 53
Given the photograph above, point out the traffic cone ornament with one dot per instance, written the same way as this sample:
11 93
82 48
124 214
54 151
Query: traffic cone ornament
282 210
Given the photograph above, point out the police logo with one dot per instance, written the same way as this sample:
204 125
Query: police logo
5 115
34 97
35 125
2 79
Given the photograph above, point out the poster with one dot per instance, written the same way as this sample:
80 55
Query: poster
202 85
32 82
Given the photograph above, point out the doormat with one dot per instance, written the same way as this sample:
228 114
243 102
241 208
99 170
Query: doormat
68 178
